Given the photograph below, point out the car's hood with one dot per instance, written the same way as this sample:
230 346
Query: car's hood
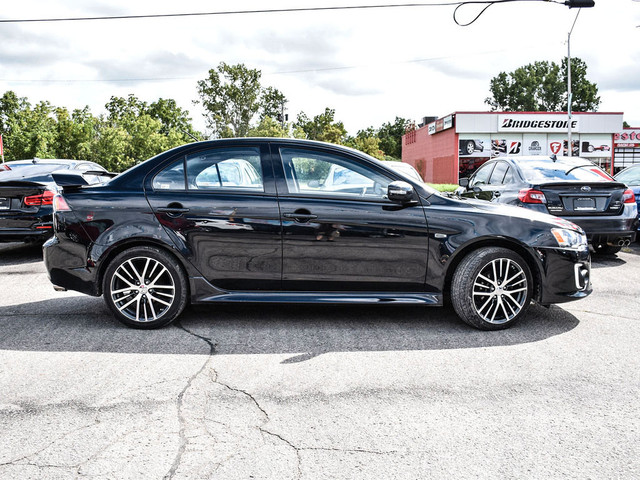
520 212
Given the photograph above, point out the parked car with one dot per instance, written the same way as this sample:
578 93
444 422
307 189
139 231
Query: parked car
630 176
569 187
26 194
150 250
405 169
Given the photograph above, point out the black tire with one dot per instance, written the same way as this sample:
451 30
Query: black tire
604 249
145 287
479 294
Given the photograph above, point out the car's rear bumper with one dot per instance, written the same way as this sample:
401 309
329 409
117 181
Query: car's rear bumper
38 233
610 229
66 267
17 226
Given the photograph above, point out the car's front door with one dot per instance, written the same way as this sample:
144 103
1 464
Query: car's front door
220 206
340 232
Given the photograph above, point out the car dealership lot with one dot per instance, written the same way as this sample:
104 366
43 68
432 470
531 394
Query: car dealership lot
318 392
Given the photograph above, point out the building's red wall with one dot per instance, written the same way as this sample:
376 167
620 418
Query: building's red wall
434 156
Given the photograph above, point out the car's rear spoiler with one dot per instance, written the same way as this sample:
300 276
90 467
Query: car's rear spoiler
70 180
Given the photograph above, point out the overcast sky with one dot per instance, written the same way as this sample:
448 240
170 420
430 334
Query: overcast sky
369 65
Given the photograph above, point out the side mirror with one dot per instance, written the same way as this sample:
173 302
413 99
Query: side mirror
401 192
463 182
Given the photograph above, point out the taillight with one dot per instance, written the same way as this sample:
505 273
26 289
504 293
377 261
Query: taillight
60 204
628 196
45 198
4 166
529 195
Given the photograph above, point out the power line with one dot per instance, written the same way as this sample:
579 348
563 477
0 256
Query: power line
458 4
229 12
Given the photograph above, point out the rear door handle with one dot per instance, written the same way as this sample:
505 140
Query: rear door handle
300 217
173 210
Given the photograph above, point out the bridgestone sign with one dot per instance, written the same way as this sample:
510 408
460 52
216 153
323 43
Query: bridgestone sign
535 123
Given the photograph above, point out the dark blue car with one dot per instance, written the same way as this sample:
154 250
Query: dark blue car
570 187
630 176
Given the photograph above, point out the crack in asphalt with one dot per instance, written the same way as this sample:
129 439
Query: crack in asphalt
180 402
25 460
184 440
287 442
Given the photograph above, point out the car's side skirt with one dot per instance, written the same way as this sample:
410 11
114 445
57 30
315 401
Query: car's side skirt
365 298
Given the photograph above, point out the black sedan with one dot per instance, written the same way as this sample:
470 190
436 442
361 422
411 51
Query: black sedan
268 220
26 195
569 187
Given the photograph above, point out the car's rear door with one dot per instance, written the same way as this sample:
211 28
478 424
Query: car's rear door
220 205
344 234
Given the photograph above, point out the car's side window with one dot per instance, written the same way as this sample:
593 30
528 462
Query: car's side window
236 168
497 177
481 176
171 177
310 172
508 176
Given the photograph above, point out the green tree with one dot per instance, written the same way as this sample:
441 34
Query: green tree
390 135
74 133
542 86
323 127
232 97
133 131
268 127
27 131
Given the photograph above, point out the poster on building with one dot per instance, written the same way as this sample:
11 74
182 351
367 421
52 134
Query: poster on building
557 144
474 146
506 144
534 144
595 146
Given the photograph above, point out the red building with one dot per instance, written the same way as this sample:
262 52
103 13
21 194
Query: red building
456 145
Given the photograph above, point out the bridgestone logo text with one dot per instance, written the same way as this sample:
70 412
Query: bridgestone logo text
540 124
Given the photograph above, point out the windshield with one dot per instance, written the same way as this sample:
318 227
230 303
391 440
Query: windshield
630 176
546 170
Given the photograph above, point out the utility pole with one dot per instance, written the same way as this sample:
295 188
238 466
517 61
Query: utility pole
569 94
579 4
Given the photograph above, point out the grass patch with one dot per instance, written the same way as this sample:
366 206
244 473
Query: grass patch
443 187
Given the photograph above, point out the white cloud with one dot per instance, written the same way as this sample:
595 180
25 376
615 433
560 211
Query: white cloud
369 65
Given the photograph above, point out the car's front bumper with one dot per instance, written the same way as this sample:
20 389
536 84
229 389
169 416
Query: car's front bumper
566 275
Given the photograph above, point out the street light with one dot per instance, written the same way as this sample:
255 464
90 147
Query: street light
569 94
572 4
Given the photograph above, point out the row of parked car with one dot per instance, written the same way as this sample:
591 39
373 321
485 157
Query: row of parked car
569 187
283 220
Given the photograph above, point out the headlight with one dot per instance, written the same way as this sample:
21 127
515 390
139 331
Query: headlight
569 238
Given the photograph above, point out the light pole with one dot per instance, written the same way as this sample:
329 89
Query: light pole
569 95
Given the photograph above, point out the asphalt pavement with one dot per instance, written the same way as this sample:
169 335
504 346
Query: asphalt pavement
317 392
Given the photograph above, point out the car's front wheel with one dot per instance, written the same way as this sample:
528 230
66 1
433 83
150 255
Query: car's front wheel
145 287
491 288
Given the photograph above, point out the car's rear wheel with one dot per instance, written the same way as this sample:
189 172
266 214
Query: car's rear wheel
145 287
491 288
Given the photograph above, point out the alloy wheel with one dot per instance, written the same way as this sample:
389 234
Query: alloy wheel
500 291
142 289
